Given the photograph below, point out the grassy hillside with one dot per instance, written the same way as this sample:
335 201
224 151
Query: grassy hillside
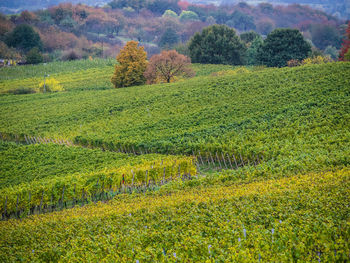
73 75
289 207
281 113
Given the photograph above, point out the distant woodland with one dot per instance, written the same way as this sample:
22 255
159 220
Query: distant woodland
72 31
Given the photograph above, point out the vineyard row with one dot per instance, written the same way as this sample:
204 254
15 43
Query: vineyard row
219 160
101 193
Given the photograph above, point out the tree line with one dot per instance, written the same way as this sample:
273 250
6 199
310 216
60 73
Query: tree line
79 31
217 44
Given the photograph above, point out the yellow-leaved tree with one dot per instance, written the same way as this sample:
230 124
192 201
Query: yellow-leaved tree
132 63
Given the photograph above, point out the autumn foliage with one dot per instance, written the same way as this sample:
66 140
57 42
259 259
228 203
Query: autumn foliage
344 52
166 66
132 63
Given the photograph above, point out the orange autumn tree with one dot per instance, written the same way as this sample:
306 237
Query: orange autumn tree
132 63
166 66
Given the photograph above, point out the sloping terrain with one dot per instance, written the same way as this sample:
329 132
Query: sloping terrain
290 206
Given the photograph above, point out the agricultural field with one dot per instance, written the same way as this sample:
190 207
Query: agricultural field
278 141
288 219
73 75
34 174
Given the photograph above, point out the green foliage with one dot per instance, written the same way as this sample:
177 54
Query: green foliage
73 75
290 207
249 37
282 45
24 37
259 112
217 44
347 56
170 13
169 38
332 52
34 56
325 35
252 52
51 68
183 49
49 168
8 53
302 218
26 163
188 16
241 21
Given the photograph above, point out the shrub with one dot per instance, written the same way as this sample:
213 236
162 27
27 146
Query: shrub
34 56
232 72
294 63
71 55
21 90
50 85
316 60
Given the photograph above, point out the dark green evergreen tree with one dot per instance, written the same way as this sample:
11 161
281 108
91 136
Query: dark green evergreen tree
24 37
252 51
241 21
217 44
282 45
248 37
34 56
169 38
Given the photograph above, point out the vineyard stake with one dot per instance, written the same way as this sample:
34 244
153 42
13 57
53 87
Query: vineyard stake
41 201
163 175
52 205
74 201
200 156
133 177
62 196
235 161
241 159
5 207
198 169
212 160
217 157
30 199
223 158
229 159
82 197
17 204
